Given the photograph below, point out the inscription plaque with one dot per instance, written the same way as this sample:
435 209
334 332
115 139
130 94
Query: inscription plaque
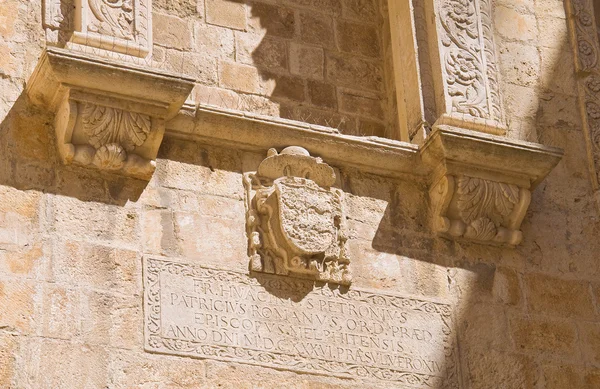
295 324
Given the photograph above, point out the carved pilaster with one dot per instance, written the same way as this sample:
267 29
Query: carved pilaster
109 115
474 193
464 65
121 26
586 48
295 220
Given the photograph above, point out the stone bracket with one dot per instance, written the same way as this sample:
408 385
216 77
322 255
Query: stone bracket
108 115
295 221
480 185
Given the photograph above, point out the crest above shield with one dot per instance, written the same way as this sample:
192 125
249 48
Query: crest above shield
294 218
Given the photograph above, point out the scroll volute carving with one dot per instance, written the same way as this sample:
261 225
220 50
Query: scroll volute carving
480 184
479 209
109 115
295 219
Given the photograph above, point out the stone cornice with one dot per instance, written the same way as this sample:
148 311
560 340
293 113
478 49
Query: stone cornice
479 184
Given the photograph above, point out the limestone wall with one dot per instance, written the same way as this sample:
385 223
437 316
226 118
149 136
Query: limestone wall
316 61
72 239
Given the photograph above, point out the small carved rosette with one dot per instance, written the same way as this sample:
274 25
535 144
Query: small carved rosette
294 219
478 209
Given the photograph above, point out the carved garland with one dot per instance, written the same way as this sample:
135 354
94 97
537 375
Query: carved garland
586 48
155 342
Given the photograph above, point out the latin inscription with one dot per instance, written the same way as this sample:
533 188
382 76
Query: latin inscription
287 323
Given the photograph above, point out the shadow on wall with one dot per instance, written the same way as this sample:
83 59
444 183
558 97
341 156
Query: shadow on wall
29 161
498 328
309 75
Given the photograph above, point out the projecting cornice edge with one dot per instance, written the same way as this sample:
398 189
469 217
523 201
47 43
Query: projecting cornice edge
109 114
479 184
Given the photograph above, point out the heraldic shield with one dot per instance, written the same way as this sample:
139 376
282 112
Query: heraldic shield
295 220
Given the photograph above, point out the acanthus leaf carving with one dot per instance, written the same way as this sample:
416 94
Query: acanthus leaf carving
105 125
479 209
295 221
586 49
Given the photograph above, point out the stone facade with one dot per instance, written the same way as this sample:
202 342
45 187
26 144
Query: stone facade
467 226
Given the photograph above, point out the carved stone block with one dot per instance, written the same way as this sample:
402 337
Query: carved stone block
464 66
295 220
123 26
479 209
475 194
109 115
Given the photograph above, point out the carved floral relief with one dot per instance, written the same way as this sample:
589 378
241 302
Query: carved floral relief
468 58
586 48
295 221
122 26
479 209
112 17
113 132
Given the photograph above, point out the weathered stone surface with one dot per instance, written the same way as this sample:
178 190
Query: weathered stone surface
358 38
307 61
71 239
238 77
206 313
322 94
317 29
560 297
543 334
231 14
274 19
170 31
352 72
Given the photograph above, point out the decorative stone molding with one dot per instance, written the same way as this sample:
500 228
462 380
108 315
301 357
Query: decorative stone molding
480 185
109 115
464 65
295 220
479 209
586 48
121 26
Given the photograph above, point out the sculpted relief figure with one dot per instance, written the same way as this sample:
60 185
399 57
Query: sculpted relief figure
294 219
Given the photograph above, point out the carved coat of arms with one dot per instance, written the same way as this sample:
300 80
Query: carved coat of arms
295 220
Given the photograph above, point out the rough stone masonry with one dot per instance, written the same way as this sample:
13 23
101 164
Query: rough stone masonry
299 194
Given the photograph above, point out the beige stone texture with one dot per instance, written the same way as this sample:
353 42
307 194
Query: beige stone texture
238 77
317 74
231 14
171 31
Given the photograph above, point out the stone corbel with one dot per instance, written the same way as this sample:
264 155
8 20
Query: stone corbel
108 115
295 219
480 185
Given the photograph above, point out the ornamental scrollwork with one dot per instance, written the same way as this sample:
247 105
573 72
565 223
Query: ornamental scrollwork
295 221
113 132
479 209
112 17
586 48
469 59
